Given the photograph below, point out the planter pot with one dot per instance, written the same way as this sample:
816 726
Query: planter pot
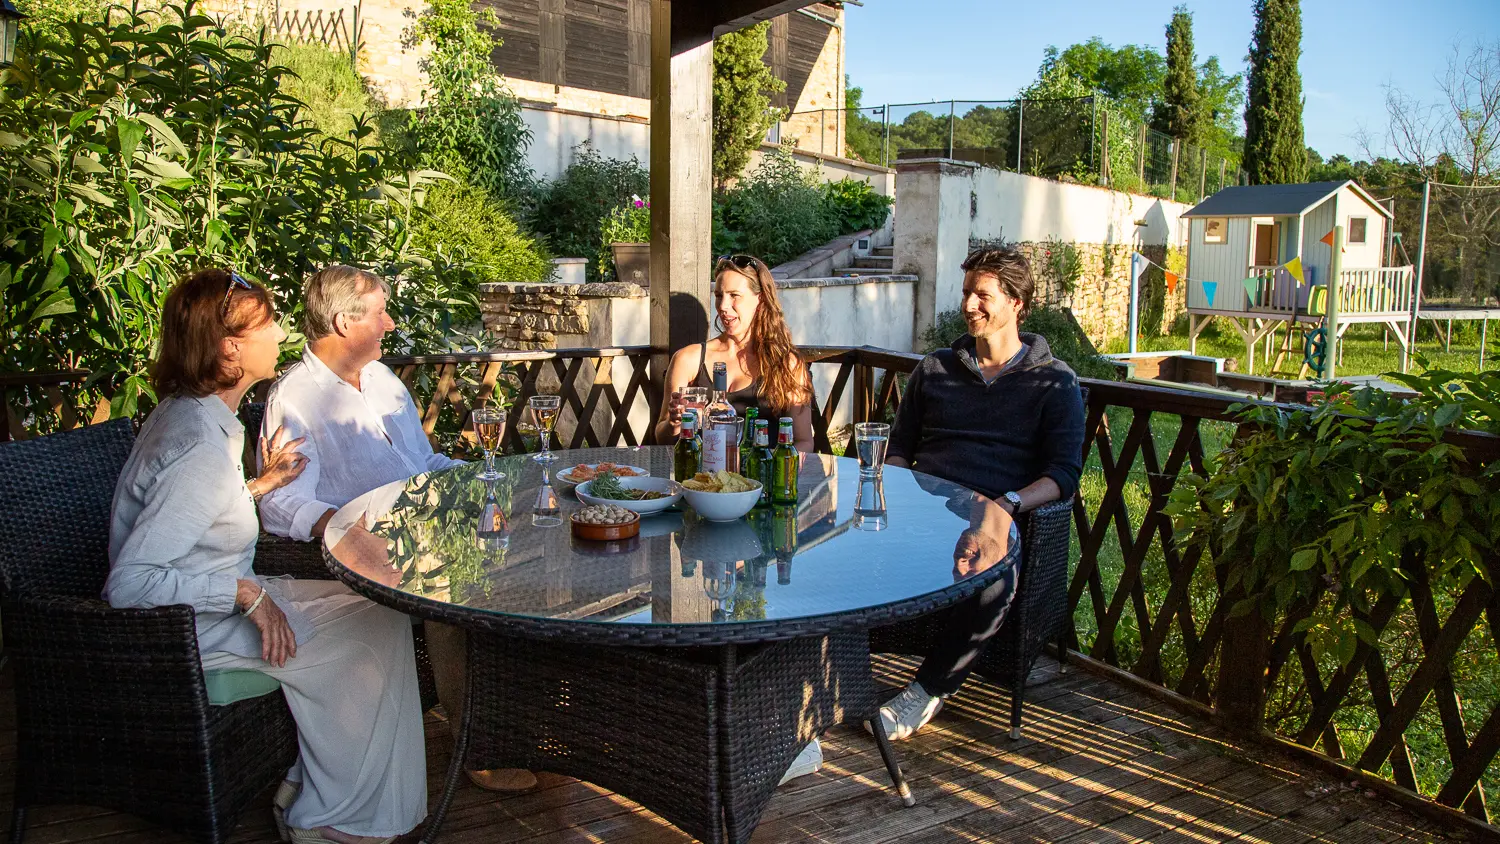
633 262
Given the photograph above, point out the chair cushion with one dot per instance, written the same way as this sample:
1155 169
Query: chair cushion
232 685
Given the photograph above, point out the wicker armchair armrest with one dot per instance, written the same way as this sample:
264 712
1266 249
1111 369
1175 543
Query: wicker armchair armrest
101 662
279 555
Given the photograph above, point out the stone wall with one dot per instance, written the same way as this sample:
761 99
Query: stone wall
1100 299
552 316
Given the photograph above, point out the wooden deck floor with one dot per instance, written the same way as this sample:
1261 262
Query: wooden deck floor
1097 763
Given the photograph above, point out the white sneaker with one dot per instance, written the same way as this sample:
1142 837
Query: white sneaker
908 712
809 761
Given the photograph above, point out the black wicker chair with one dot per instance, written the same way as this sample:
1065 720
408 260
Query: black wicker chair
111 708
1038 614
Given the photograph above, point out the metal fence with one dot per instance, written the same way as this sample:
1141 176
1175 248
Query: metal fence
1081 140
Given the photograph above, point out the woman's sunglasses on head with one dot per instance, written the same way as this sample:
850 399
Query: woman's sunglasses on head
235 280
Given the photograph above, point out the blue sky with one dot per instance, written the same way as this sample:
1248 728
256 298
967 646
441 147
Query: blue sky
903 51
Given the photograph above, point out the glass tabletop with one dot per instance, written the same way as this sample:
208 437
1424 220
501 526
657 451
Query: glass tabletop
454 544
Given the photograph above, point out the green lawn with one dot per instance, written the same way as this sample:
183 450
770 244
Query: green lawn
1366 351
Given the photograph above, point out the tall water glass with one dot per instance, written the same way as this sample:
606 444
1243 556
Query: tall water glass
696 398
870 440
489 425
544 410
869 504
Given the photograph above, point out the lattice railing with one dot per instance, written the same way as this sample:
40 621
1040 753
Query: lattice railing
330 28
1419 706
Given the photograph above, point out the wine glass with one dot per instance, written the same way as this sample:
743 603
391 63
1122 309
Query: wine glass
547 512
489 424
544 410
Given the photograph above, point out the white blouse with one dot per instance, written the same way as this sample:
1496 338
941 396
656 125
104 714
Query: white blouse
183 528
358 438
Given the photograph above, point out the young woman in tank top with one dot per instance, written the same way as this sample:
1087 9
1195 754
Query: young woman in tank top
755 345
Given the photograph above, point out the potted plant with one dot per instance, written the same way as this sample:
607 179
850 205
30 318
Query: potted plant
626 243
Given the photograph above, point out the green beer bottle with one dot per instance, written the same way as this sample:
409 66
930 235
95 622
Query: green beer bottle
688 449
784 540
786 466
761 461
747 436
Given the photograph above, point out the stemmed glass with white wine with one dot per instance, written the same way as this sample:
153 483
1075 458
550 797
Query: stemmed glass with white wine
544 410
489 425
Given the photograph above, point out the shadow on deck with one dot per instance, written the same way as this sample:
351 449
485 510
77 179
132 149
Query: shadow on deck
1097 762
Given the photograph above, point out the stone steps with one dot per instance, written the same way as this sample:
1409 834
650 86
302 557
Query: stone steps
884 251
884 262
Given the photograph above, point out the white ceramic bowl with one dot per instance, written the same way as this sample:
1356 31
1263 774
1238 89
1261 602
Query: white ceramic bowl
564 477
720 542
722 506
655 505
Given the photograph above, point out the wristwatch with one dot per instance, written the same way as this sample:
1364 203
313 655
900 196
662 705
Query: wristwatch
1015 501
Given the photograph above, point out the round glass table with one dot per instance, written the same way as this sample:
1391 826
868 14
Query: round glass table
686 667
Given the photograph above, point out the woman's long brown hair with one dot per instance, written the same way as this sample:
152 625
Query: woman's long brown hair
781 385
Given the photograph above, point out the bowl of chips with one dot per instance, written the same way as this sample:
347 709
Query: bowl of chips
721 496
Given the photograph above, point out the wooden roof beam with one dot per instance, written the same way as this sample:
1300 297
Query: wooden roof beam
698 22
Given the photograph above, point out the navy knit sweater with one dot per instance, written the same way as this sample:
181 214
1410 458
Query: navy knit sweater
994 438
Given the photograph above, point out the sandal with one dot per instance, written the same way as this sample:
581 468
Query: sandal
286 795
313 836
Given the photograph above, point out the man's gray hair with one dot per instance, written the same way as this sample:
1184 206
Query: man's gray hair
335 290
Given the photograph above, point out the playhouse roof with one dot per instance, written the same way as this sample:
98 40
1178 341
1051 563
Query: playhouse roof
1275 200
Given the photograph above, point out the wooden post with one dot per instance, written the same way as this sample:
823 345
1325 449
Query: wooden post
1331 321
1104 147
1176 151
1245 654
681 187
1140 159
1202 172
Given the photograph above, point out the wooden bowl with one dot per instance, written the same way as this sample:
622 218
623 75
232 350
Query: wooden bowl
600 533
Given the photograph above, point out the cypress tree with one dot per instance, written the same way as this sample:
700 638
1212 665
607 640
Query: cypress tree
1274 149
1180 113
743 86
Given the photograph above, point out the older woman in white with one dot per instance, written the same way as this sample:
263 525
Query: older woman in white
183 531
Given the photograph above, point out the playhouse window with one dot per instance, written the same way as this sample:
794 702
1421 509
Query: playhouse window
1356 229
1214 229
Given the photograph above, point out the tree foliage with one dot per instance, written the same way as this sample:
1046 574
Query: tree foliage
141 146
743 86
469 124
1130 75
1179 112
1274 149
863 134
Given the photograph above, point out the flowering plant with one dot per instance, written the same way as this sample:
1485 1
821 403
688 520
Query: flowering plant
630 223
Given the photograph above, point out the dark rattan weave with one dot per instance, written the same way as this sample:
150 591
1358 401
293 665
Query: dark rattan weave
1038 614
111 709
702 736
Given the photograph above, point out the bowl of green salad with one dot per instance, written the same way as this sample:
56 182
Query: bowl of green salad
644 495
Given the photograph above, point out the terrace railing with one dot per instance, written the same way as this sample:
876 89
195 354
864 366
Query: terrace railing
1416 711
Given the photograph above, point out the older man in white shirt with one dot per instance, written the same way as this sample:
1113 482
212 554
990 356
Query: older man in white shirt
361 431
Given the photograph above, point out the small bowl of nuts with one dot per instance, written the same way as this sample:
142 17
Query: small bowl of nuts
605 522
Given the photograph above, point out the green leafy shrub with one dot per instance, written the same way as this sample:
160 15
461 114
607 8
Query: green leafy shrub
855 205
776 213
630 223
138 148
743 86
569 212
1067 342
469 124
463 222
332 92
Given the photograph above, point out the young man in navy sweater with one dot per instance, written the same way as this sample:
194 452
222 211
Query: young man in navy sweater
1001 416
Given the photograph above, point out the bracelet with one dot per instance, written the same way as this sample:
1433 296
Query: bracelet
255 604
254 496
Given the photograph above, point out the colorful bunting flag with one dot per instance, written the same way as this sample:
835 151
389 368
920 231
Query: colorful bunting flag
1294 267
1209 289
1171 281
1328 239
1252 288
